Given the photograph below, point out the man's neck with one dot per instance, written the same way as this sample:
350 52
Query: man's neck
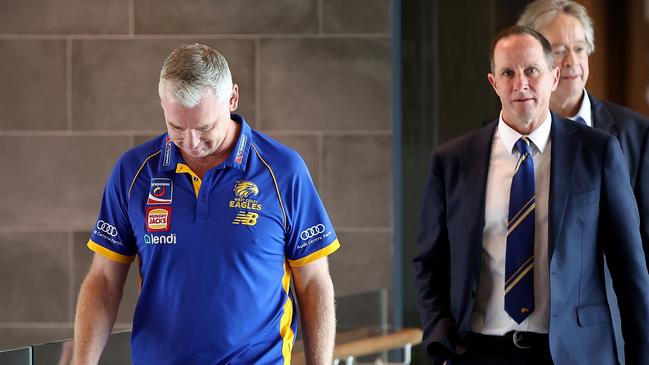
566 107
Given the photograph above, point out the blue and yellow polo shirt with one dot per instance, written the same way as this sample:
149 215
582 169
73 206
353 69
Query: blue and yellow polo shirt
215 255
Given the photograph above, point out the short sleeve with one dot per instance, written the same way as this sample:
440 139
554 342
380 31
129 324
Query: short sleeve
310 234
112 235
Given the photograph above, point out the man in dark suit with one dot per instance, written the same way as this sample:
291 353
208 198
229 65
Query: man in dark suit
569 30
517 217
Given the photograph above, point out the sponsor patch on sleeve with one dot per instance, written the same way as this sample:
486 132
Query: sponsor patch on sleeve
313 234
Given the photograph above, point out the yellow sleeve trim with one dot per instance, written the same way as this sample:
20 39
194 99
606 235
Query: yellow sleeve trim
122 259
326 251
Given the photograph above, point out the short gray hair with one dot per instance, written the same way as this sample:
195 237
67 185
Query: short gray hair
188 70
541 12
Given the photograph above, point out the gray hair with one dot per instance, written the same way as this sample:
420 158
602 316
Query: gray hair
188 70
541 12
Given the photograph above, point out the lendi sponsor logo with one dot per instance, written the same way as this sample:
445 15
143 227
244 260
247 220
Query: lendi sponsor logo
151 239
158 219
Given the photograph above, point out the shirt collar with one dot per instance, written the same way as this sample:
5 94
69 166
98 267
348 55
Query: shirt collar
237 159
539 136
170 155
239 155
584 111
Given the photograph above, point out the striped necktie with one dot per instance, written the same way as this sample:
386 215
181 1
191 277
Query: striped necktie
519 261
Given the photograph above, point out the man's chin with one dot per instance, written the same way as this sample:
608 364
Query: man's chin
570 89
196 154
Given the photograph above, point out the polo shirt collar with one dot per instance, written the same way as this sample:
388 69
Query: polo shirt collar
238 158
169 155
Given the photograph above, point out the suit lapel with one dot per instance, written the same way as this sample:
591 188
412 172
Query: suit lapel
602 119
474 166
566 146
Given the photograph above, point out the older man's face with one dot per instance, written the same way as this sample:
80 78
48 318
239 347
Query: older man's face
523 80
570 51
199 131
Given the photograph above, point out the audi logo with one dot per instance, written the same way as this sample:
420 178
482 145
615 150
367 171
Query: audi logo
106 228
312 232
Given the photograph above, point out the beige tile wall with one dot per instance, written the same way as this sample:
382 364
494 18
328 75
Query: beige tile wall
78 87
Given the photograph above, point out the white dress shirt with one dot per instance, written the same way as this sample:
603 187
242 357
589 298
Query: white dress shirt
584 111
489 316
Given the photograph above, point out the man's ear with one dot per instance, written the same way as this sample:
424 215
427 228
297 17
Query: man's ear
555 75
233 103
492 81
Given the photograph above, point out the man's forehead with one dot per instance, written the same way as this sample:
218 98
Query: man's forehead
564 27
518 46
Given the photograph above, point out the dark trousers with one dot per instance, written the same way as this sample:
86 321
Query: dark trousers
502 350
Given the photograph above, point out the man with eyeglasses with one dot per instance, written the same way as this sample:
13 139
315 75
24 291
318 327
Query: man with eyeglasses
569 30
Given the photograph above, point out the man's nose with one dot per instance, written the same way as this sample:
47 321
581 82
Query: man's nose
569 58
521 82
193 137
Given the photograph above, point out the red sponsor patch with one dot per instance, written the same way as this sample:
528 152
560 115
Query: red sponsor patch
158 219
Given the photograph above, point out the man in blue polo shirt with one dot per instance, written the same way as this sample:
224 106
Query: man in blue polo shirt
221 219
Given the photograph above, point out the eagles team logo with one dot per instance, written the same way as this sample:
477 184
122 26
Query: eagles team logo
244 188
244 192
160 192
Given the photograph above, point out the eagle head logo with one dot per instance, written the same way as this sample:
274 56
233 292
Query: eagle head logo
244 189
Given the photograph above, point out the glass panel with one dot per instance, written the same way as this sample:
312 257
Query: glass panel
54 353
22 356
118 349
117 352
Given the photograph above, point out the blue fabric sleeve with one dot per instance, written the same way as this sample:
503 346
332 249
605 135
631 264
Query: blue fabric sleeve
310 234
112 230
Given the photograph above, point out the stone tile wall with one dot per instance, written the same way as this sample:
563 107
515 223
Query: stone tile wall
78 87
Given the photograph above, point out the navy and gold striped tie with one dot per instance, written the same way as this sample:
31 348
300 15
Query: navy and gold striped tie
519 264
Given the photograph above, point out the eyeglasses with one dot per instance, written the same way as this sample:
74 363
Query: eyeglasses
579 51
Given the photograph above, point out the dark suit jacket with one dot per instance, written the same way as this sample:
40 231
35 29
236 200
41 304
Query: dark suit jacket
592 212
632 131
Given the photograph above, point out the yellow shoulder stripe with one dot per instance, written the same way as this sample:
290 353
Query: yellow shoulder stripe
325 251
138 172
279 196
122 259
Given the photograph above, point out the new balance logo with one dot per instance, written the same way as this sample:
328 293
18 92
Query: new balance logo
246 218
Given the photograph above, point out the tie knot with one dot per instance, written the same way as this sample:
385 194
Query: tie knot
580 120
523 145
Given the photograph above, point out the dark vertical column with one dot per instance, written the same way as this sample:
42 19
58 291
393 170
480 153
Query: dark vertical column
617 39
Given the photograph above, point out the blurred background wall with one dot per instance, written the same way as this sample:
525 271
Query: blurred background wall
78 86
